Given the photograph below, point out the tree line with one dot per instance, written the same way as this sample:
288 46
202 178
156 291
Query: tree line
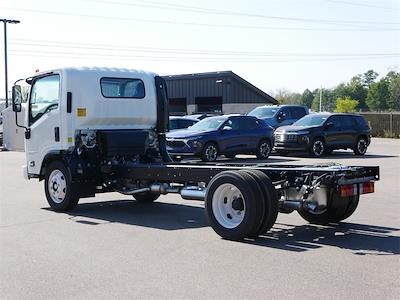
363 92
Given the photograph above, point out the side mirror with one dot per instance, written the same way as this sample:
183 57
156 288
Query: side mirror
280 117
226 129
16 98
329 125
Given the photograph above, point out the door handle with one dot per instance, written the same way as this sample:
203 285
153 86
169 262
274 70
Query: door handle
57 134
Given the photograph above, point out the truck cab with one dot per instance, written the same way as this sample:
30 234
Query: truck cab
68 108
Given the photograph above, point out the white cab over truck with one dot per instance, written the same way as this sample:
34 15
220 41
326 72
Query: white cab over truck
96 130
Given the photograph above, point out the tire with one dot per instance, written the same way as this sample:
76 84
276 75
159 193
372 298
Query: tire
270 200
338 210
61 193
361 146
263 149
317 148
230 218
230 155
146 197
210 152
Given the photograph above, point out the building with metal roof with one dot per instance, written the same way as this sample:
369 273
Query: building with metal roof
214 92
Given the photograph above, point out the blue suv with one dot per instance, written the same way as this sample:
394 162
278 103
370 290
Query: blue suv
227 135
279 115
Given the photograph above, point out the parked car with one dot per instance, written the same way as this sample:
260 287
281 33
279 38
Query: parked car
279 115
227 135
321 133
180 122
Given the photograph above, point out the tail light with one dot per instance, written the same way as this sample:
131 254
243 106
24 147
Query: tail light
358 188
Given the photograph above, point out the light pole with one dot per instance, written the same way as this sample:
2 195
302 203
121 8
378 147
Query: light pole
5 21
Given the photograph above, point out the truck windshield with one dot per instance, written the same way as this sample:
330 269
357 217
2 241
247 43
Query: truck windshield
263 112
311 120
44 96
208 124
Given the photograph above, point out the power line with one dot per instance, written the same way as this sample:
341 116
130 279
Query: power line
212 25
190 59
172 6
361 4
123 48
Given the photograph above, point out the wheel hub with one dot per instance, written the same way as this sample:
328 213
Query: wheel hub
57 186
228 205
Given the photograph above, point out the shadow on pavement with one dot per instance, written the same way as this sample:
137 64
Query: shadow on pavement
361 239
160 215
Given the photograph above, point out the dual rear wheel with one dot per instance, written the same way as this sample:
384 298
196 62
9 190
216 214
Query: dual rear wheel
241 204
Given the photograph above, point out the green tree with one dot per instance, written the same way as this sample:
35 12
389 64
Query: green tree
285 96
378 95
358 92
369 77
307 98
394 90
346 105
328 100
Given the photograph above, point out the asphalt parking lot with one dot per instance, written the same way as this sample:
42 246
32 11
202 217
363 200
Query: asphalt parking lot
113 248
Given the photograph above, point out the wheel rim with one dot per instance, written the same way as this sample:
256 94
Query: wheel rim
57 186
211 153
362 146
318 148
264 149
228 206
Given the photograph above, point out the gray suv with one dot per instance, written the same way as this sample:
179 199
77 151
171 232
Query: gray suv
279 115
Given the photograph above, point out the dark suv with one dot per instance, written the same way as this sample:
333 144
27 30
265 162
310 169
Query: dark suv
279 115
321 133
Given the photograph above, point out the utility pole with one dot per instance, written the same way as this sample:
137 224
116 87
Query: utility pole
320 99
5 21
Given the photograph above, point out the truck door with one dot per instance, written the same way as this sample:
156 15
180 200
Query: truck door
43 119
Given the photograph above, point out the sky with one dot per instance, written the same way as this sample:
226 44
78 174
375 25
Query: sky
274 44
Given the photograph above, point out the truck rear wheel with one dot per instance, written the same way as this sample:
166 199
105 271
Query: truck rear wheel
234 205
146 197
339 209
270 200
61 193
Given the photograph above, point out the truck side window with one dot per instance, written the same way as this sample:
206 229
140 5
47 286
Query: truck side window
122 88
45 96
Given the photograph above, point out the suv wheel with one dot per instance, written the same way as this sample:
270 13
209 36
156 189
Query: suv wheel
210 152
361 146
263 149
317 148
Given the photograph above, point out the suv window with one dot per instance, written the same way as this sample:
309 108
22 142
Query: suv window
287 112
45 96
336 121
122 88
185 123
236 123
298 112
361 121
348 121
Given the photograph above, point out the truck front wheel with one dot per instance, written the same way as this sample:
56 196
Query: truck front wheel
61 193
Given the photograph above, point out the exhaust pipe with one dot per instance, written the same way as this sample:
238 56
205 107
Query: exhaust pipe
193 193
